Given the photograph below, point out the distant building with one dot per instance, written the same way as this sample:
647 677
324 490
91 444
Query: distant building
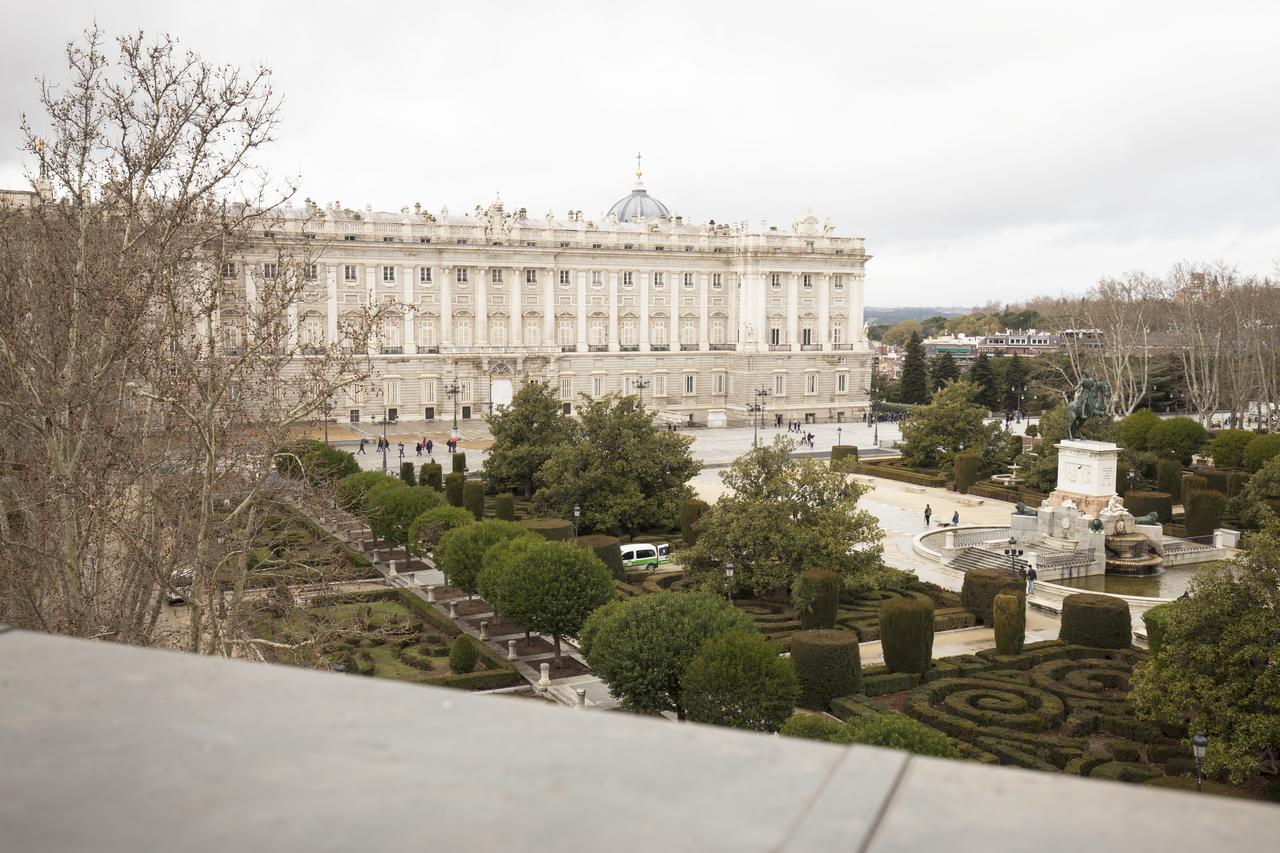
1027 343
963 349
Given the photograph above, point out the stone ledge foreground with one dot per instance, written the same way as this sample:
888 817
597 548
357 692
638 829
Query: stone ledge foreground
115 748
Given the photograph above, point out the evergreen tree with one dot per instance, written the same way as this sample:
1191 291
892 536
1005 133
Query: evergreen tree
942 369
1015 376
984 377
914 380
525 434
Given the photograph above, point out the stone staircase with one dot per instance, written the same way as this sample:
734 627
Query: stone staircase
980 558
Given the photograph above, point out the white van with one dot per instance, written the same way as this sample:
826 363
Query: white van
643 555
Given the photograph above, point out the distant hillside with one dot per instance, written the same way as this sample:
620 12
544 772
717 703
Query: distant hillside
876 316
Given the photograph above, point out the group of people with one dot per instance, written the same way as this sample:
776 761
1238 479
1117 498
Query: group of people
806 438
426 445
928 514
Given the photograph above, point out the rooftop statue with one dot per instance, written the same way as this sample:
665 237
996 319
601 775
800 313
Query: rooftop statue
1091 400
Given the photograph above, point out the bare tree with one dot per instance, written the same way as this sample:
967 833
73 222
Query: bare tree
1203 330
143 392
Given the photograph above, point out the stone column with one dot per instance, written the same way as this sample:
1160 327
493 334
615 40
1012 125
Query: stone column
675 282
446 305
644 310
371 272
613 311
331 304
515 334
482 307
250 303
824 311
793 311
582 311
745 304
857 293
704 301
409 337
549 307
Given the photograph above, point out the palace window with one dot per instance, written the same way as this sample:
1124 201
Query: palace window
811 383
779 384
498 332
806 333
564 278
427 332
466 391
565 332
312 332
627 279
842 383
530 276
495 275
228 270
566 387
628 332
658 330
349 237
808 246
388 274
658 280
309 272
806 281
775 332
461 276
270 270
688 331
716 281
717 330
391 335
597 386
597 279
462 331
424 275
721 383
690 384
428 390
775 280
688 280
532 331
391 392
837 332
597 331
837 282
349 273
659 384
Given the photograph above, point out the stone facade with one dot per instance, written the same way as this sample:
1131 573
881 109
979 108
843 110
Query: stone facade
694 317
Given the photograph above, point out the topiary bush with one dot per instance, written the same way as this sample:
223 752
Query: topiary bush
606 548
844 457
1009 613
1099 621
1132 430
1236 481
815 595
425 530
690 511
1169 476
473 497
980 588
555 529
906 633
406 474
816 727
966 470
432 475
738 680
898 731
1156 619
1204 509
1141 503
1259 449
459 462
1192 483
504 507
462 655
1179 438
828 665
1228 446
453 486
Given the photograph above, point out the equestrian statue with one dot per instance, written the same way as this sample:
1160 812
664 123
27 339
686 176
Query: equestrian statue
1091 399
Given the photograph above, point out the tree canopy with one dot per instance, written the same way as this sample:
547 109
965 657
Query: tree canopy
933 434
427 528
780 517
1218 662
913 383
622 470
982 375
642 646
460 553
942 369
394 509
525 435
738 680
1180 438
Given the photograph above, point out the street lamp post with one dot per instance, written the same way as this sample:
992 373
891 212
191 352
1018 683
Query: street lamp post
453 390
1199 743
577 513
757 410
875 414
639 385
374 418
1013 554
728 578
839 435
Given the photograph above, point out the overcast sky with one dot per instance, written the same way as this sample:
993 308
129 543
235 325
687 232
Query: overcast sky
984 150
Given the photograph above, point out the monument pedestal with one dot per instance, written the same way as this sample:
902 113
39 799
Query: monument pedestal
1086 475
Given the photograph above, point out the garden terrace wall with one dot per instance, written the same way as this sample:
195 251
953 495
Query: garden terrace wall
902 475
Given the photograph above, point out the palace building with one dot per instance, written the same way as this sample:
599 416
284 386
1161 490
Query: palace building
697 318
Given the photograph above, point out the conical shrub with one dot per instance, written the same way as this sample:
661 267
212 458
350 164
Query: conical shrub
1010 613
906 633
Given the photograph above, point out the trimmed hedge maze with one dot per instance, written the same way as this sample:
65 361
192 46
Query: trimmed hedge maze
1054 707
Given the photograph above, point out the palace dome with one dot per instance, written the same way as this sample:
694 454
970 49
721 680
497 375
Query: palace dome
638 205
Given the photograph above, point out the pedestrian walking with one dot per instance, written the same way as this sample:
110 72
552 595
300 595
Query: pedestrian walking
429 446
417 447
1031 579
928 513
363 442
955 518
402 450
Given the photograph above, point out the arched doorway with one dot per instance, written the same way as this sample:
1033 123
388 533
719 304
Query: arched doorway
501 389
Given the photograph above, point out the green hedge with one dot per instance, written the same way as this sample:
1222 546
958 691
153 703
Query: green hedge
1260 449
1191 483
1156 619
1236 481
815 596
966 471
1009 613
473 498
1141 503
690 511
1204 508
1169 476
453 488
906 633
431 474
980 588
844 457
827 664
555 529
1100 621
504 507
902 475
459 462
606 548
498 673
462 655
986 489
